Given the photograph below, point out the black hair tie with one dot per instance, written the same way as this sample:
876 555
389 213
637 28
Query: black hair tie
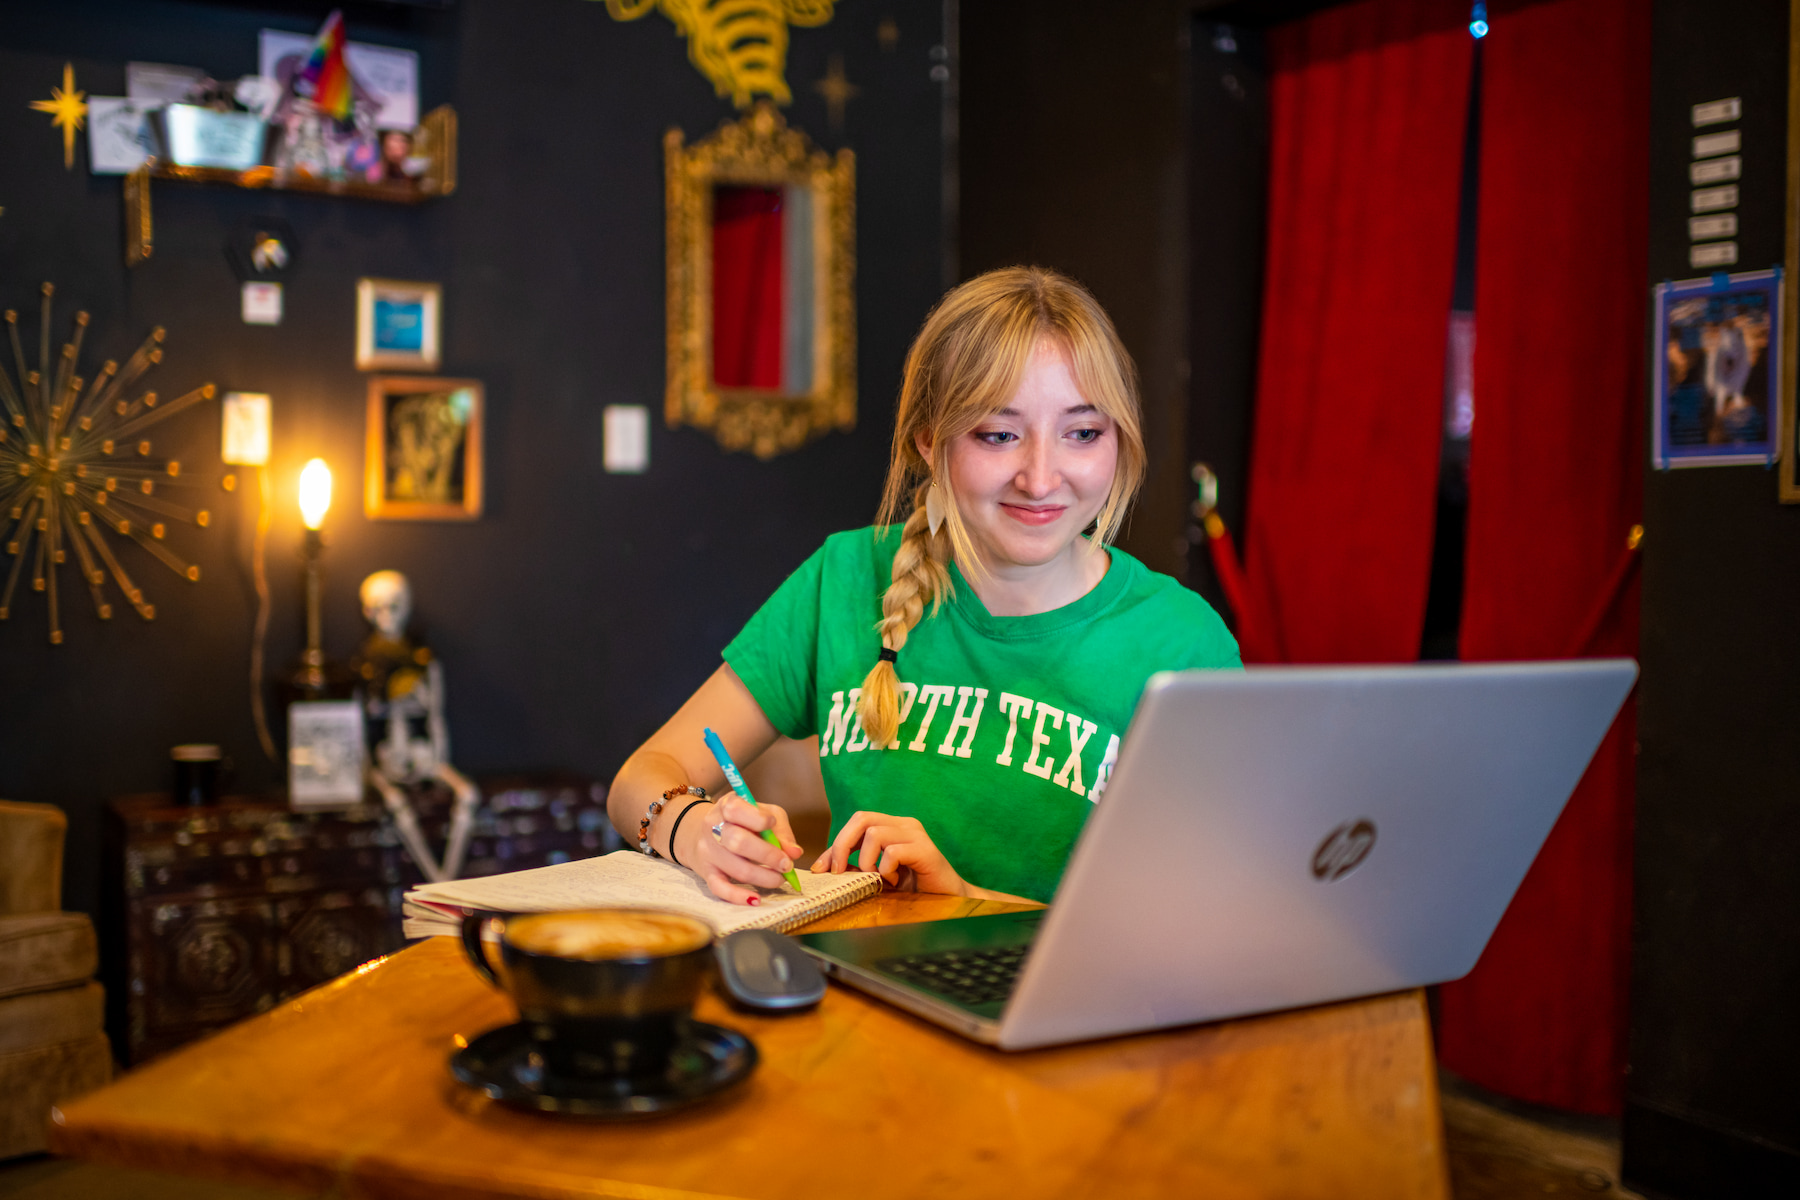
677 829
887 655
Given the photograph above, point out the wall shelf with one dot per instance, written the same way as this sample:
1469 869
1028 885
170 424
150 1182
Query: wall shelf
434 140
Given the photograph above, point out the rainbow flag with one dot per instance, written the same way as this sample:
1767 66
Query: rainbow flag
325 79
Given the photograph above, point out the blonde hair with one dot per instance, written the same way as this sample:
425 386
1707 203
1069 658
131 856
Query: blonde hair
964 366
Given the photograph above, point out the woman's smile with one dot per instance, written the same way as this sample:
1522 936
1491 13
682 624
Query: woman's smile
1034 514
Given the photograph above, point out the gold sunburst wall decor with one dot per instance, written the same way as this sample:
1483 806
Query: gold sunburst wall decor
740 45
68 109
76 467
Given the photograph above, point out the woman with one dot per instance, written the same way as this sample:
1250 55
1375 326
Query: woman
969 664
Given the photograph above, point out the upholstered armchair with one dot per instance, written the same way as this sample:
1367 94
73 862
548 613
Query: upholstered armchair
51 1043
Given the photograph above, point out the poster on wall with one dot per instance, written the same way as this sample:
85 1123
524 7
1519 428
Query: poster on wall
1716 394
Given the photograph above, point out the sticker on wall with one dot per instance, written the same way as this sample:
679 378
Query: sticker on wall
1702 200
1716 170
1717 112
1702 229
1713 254
262 304
244 435
1711 145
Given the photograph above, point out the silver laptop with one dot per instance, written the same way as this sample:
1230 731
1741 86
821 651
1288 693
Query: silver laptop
1273 838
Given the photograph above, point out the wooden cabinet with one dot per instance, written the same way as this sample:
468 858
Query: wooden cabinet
214 914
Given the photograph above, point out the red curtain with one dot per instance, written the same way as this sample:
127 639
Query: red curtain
1368 103
747 273
1555 485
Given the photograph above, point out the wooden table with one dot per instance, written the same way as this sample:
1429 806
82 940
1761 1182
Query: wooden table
347 1088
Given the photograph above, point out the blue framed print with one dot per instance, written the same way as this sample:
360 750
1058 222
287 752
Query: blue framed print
1716 395
397 325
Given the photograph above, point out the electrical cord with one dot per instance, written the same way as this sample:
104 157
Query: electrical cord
259 573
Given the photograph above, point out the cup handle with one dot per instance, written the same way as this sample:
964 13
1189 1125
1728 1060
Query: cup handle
472 926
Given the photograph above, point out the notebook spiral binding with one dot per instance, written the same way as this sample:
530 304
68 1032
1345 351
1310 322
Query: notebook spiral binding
781 920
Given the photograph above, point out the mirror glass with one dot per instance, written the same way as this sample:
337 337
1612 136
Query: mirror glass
763 288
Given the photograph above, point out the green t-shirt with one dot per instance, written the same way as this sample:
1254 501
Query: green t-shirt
1009 726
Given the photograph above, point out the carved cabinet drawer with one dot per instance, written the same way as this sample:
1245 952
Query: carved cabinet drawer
214 914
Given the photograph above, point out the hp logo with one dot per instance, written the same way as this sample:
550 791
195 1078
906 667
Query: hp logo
1343 850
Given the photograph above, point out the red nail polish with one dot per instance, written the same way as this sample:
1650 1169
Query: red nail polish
754 900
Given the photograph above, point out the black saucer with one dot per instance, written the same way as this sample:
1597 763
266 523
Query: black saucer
506 1064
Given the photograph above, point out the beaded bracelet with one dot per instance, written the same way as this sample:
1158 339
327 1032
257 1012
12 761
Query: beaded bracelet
656 806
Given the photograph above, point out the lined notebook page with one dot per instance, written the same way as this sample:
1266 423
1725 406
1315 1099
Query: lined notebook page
626 878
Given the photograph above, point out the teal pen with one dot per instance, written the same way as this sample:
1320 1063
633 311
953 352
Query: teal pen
736 779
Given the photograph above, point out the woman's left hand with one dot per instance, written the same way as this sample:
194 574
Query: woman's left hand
896 848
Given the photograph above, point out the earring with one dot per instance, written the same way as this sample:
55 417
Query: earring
934 508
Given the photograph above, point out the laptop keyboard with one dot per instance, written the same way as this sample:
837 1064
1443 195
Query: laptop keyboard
965 976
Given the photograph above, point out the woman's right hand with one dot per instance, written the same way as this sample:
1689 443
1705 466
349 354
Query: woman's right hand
739 856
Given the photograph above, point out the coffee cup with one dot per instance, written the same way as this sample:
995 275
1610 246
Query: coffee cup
606 991
196 771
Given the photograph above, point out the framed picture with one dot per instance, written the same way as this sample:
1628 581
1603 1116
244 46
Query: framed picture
423 461
325 753
397 325
1716 399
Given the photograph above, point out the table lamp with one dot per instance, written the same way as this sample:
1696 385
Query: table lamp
315 502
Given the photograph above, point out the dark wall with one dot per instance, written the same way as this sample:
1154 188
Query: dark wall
1228 196
1074 157
1715 1049
1127 145
579 611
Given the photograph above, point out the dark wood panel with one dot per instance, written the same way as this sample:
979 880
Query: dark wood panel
1715 1050
224 912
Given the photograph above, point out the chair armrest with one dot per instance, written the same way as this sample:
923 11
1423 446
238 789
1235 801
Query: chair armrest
31 857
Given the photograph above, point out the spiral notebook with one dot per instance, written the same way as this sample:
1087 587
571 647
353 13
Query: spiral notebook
627 879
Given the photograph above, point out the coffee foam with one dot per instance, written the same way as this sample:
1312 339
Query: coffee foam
618 933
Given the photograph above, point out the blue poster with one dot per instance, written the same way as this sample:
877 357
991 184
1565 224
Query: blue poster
1715 373
399 326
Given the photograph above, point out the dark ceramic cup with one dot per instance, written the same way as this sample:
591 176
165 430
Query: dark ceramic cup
606 991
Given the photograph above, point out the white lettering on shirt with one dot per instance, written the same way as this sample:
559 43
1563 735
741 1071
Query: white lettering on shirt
967 723
1070 775
933 694
1040 739
1104 775
838 723
1014 707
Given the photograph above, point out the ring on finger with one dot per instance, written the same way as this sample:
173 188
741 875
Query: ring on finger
718 832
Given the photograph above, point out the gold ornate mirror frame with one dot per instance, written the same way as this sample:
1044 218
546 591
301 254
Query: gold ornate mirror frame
761 151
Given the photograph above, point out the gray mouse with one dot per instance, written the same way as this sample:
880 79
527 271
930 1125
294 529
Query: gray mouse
768 971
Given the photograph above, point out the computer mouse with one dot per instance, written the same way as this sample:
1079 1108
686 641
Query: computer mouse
769 972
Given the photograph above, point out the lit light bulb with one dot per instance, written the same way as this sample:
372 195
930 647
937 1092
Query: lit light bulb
315 492
1478 22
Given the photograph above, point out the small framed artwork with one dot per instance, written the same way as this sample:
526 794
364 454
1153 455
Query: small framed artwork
325 753
397 325
1717 377
423 460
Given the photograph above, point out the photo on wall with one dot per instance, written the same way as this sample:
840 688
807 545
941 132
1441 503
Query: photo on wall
397 325
1717 379
423 451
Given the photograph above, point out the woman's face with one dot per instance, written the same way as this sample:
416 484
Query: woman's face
1031 477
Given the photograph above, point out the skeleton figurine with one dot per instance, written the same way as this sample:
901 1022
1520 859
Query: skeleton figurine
403 707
